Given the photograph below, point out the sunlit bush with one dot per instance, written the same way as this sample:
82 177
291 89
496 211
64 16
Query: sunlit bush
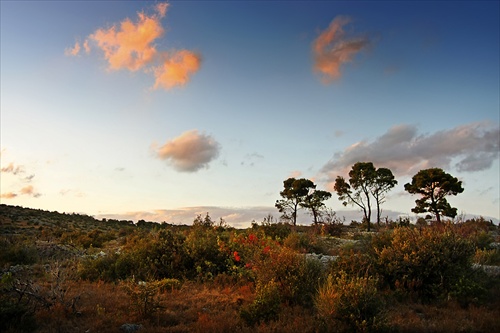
266 305
352 301
426 263
298 277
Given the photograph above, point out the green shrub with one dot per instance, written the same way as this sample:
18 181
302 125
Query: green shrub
487 257
266 305
354 263
16 312
202 247
17 253
352 301
144 296
298 278
304 243
426 262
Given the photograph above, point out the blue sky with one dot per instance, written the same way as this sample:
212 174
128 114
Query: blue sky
228 99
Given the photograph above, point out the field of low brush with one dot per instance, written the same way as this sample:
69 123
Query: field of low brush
73 273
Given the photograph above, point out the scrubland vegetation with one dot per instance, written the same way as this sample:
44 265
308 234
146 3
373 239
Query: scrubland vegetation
72 273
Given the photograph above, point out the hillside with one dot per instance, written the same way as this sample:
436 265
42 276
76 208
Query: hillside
74 273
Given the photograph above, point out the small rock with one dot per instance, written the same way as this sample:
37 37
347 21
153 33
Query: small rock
130 328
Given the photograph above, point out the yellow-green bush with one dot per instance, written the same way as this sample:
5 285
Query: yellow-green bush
352 302
266 305
426 263
298 277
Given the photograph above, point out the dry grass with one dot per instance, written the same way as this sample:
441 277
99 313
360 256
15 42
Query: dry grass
449 317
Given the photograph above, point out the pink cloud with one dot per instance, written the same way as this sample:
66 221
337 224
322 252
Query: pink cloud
131 45
332 49
29 190
176 69
189 152
9 195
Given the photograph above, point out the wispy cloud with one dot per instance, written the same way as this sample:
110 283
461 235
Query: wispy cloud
73 51
131 45
468 148
9 195
71 192
189 152
332 48
29 190
19 173
250 159
15 170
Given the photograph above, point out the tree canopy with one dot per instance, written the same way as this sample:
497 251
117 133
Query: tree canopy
294 194
315 203
365 181
434 185
382 183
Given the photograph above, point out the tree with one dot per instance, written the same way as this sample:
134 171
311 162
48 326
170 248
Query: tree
384 181
434 185
294 193
357 191
315 202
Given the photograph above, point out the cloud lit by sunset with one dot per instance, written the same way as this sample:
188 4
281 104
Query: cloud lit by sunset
176 69
332 49
131 45
189 152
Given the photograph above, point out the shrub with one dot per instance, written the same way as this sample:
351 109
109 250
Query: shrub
487 257
296 276
144 296
266 305
17 253
425 262
304 243
352 301
16 312
354 263
202 247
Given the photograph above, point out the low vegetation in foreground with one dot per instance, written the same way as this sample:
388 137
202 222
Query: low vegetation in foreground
72 273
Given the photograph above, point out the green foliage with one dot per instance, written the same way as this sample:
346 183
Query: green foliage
487 257
202 247
297 277
274 230
314 201
16 312
426 262
433 185
144 296
15 252
383 182
365 181
266 305
354 263
304 243
151 255
352 301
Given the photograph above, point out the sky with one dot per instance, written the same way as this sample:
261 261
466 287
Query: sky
165 110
